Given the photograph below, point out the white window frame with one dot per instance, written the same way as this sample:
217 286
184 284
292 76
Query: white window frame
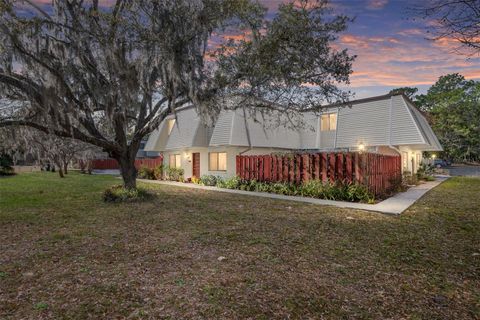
330 125
217 168
177 160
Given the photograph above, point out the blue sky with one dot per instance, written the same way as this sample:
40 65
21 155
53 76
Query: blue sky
392 49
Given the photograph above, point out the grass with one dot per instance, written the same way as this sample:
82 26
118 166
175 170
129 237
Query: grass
65 254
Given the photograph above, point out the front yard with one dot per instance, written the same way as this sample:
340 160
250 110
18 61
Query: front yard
196 254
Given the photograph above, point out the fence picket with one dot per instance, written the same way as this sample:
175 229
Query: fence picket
331 167
317 167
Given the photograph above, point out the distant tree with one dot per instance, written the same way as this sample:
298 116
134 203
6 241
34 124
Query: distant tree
408 91
45 148
109 75
6 163
453 104
458 20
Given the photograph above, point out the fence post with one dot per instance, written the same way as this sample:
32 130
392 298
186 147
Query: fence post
331 166
280 168
324 167
237 163
340 167
358 174
317 166
298 169
305 168
349 167
292 169
274 168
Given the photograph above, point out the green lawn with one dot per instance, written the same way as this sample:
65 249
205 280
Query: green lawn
66 254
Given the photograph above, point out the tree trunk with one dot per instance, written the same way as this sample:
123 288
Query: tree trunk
60 172
65 166
128 172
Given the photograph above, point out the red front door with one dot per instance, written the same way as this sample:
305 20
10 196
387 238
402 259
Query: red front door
196 164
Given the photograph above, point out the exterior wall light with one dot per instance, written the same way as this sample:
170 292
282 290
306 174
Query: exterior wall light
361 147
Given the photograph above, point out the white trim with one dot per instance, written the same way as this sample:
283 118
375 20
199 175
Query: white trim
391 122
319 132
231 128
336 128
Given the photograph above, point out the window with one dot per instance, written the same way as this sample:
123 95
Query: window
217 161
329 122
175 161
170 125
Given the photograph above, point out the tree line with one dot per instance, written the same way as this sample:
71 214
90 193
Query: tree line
452 106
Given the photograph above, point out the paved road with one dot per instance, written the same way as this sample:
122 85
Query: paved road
463 170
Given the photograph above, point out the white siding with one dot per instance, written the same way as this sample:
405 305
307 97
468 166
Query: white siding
262 136
201 138
223 129
426 130
365 123
185 131
404 128
157 139
308 134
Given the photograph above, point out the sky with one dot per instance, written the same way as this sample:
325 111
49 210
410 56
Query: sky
392 49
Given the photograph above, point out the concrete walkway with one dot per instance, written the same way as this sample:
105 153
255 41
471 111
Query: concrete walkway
393 205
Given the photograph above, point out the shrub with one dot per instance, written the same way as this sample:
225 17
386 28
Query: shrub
409 179
158 172
209 180
425 172
146 173
429 178
7 171
229 183
314 189
195 180
174 174
118 193
6 164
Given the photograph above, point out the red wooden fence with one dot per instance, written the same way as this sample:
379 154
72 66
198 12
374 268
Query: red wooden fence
373 170
107 164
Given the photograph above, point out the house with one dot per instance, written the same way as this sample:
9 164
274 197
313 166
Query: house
387 124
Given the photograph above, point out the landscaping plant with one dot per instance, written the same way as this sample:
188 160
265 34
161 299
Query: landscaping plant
146 173
6 164
174 174
338 191
118 193
209 180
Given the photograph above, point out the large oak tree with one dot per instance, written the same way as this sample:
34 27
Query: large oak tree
107 73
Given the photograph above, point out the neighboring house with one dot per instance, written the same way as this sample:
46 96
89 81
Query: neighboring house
388 124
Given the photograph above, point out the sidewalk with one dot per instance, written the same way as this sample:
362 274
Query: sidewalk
394 205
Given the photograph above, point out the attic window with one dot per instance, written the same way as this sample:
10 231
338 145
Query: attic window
170 124
329 122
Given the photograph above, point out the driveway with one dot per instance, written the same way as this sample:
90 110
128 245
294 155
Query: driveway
464 170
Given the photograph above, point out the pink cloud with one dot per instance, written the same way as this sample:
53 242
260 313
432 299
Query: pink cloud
406 60
376 4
